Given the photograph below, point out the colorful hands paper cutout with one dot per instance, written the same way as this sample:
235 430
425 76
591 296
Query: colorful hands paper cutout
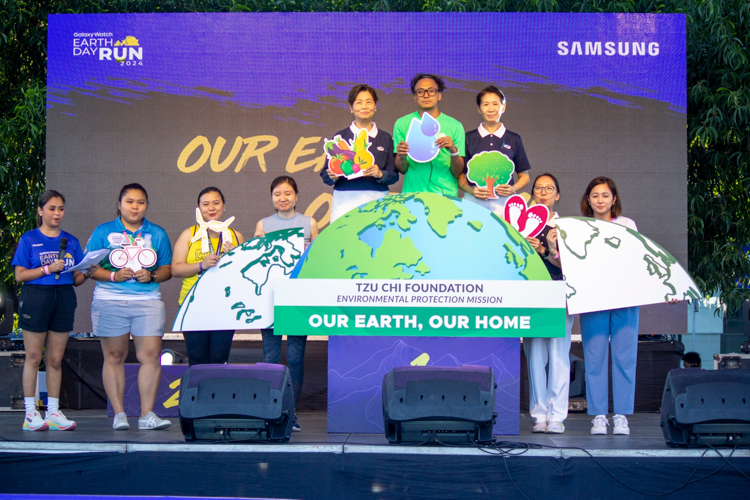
349 159
489 169
421 138
527 221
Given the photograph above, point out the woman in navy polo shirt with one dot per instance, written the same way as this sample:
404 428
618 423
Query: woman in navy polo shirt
491 135
47 306
349 194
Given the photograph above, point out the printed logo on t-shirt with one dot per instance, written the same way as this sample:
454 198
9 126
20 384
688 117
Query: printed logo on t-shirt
381 148
47 258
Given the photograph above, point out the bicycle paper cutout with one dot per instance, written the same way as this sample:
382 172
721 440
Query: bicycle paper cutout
349 159
132 255
527 221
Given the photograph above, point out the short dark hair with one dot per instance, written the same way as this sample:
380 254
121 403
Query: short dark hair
362 87
284 179
546 174
490 90
586 209
692 358
421 76
44 199
210 189
129 187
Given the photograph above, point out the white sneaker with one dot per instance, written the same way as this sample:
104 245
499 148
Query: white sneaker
539 427
599 425
57 422
121 422
152 422
33 421
555 428
621 425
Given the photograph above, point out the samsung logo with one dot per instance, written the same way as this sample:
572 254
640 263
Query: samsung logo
607 48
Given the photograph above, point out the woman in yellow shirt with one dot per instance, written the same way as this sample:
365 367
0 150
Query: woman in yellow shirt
189 261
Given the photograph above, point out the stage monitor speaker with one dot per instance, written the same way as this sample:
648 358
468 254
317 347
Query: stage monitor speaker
446 404
230 403
701 407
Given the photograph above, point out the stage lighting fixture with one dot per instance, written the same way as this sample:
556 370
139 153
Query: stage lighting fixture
167 357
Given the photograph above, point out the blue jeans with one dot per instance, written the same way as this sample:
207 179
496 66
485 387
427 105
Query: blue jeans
208 347
617 328
295 356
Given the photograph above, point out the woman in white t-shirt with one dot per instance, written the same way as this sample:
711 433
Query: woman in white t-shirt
617 328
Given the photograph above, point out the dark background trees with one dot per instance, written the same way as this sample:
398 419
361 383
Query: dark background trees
718 114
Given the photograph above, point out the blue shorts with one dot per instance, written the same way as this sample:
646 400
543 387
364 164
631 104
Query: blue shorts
140 318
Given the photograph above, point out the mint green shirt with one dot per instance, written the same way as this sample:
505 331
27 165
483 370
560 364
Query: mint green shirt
434 176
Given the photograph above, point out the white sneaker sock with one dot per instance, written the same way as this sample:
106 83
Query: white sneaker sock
53 404
29 403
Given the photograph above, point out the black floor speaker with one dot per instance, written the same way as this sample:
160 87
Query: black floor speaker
706 407
230 403
423 404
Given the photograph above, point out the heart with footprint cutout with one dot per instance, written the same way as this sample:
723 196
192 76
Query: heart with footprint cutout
529 221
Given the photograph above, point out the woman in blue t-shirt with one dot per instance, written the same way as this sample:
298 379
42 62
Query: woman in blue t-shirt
47 306
127 302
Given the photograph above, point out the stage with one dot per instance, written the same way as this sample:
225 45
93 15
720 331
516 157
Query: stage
94 459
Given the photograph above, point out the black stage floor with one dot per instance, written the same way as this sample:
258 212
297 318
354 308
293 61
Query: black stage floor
94 459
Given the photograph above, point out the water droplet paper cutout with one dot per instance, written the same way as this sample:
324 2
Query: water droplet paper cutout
421 138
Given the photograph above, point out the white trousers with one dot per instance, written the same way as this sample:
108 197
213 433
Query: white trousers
548 389
344 201
496 205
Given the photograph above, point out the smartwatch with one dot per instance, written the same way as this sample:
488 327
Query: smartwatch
153 273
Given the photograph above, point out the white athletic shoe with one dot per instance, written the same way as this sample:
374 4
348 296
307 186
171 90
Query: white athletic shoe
555 428
621 425
121 422
152 422
539 427
33 421
57 422
599 425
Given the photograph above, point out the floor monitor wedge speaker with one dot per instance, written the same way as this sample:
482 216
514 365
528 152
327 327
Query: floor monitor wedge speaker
424 404
231 403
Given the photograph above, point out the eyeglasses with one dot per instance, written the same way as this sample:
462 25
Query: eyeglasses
544 189
428 92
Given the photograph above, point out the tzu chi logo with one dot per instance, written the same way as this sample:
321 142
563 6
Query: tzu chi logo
104 47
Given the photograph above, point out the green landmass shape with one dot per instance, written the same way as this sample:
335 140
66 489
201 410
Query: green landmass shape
614 241
580 253
275 254
475 225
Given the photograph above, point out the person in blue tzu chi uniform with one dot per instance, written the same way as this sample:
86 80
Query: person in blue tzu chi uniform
47 306
617 328
351 193
491 135
548 359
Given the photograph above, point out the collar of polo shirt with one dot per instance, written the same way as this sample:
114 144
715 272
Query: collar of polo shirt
373 132
483 132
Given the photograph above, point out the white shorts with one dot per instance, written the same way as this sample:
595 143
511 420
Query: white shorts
140 318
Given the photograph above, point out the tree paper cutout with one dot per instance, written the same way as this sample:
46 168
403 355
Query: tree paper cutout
213 225
527 221
421 138
349 159
489 169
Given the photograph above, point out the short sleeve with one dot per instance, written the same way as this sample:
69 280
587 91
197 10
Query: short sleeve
521 160
399 131
459 138
22 257
164 250
78 253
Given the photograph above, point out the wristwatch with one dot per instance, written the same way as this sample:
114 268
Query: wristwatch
153 273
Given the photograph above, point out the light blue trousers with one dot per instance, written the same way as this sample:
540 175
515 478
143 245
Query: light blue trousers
599 330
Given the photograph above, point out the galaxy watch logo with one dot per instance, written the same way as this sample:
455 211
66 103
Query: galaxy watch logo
104 47
577 48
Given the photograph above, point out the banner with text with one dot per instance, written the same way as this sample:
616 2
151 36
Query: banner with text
439 308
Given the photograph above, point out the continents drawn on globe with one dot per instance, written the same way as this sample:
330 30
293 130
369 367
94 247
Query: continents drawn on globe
239 291
250 313
579 249
614 241
571 291
258 271
385 239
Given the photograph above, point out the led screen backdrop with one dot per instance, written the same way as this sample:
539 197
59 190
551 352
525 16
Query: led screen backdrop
180 102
